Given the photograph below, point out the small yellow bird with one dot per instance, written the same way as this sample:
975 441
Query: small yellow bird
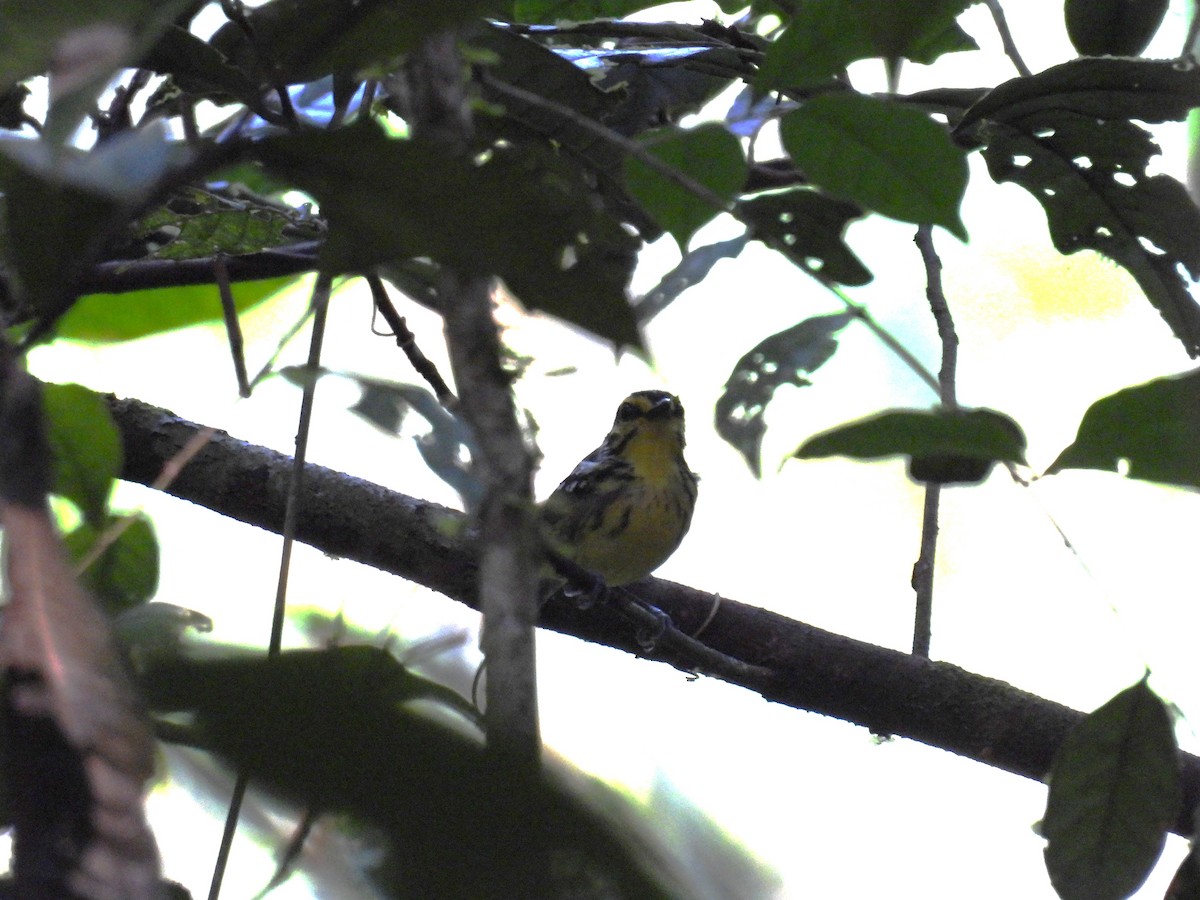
627 505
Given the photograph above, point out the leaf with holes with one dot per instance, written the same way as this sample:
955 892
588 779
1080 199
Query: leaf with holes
889 158
944 446
1091 178
708 155
807 227
1114 792
783 358
1143 89
1154 428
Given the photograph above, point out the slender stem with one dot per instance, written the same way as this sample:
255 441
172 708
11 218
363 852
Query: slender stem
233 328
407 342
320 305
231 821
923 569
1006 38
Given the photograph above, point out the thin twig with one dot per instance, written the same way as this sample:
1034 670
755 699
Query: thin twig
320 306
170 471
941 315
407 342
227 833
233 328
923 569
1006 38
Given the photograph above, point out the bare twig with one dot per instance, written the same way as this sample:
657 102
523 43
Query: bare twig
233 328
408 343
1006 38
922 576
320 306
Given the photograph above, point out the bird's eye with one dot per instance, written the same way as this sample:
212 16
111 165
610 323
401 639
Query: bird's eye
627 411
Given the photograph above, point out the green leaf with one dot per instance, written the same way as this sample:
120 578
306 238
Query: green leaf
783 358
102 318
1113 27
825 36
1153 429
708 155
523 213
308 39
808 227
1092 180
197 223
126 574
1114 792
944 445
889 158
1147 90
86 446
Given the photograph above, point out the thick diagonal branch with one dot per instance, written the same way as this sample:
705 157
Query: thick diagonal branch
885 690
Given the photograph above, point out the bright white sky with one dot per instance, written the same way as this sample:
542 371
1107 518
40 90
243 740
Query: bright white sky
831 543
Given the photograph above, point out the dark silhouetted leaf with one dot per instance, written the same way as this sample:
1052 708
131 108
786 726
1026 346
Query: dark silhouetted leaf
825 36
89 43
446 448
1114 792
200 69
1146 90
1154 428
1186 883
86 446
783 358
1113 27
707 154
889 158
61 206
944 445
308 39
100 318
1090 177
523 214
692 269
126 573
807 227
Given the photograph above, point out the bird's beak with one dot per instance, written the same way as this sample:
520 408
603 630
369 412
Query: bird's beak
660 410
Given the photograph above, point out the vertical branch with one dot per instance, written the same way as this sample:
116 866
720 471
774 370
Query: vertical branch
922 576
433 94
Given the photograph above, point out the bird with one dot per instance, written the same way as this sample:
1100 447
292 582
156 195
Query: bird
627 505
